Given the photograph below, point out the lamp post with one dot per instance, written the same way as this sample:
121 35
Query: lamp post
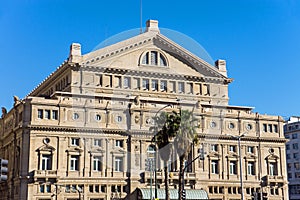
238 138
155 158
201 156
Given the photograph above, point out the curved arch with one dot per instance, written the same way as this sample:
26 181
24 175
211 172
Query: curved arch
153 57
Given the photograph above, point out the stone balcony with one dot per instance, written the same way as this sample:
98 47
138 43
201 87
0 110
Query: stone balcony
267 180
45 174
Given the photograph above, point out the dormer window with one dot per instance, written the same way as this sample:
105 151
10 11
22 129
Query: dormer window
154 58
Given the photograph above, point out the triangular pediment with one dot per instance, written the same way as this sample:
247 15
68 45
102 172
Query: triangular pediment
127 54
46 148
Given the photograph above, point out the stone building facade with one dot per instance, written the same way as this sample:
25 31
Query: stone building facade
83 133
292 133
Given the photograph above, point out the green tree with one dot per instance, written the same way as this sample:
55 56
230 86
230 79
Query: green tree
166 127
186 137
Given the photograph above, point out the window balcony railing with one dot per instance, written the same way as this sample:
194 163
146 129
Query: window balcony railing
44 173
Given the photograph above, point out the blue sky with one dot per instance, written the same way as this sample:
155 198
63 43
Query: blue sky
259 39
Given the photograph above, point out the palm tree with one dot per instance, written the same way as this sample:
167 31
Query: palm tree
186 136
166 127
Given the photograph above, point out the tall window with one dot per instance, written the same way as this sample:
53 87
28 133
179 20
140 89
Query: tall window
47 114
97 142
154 85
250 168
232 148
119 164
120 143
181 87
272 168
127 82
214 147
145 84
54 114
74 163
40 114
75 141
250 149
265 129
46 163
214 167
232 167
97 163
295 146
163 86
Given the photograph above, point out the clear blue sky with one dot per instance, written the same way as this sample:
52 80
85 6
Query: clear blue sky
260 39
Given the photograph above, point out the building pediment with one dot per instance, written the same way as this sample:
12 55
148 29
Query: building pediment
46 148
128 54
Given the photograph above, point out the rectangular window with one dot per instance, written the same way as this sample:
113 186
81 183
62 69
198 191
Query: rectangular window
214 147
214 167
117 81
250 168
288 156
275 128
232 148
270 128
136 83
97 188
265 129
190 88
232 167
68 189
46 163
120 143
296 155
297 165
163 86
154 85
294 136
75 141
180 87
48 188
295 146
74 163
119 164
287 147
250 149
205 89
172 86
40 114
47 114
97 142
145 84
289 166
127 83
297 175
97 163
55 114
272 169
91 188
42 188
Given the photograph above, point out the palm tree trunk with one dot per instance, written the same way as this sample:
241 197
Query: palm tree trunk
166 180
180 188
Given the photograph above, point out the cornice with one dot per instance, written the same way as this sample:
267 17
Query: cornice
61 68
150 74
247 138
188 56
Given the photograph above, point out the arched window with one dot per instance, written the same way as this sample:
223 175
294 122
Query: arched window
154 58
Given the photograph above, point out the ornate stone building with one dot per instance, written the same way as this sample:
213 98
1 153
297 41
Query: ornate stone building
292 133
83 133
